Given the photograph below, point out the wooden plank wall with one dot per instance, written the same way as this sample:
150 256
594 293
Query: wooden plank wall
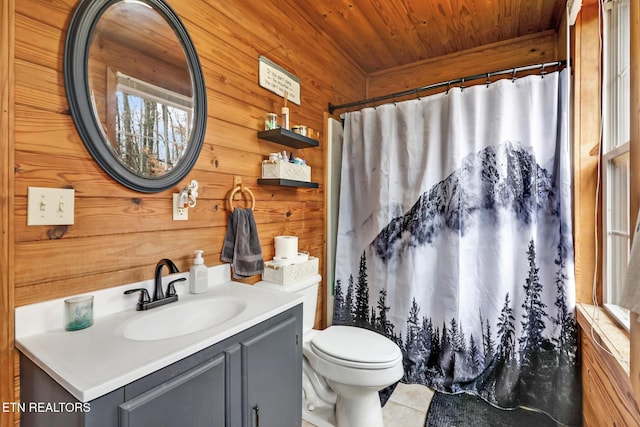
7 393
607 394
634 167
526 50
608 398
610 380
586 129
119 234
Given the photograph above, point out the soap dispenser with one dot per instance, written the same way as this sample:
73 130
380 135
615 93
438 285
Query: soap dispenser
198 275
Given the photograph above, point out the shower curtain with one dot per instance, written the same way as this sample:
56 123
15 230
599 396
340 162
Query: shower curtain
455 241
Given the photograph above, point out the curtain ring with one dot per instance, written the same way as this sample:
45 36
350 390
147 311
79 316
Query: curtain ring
542 72
462 86
513 76
417 94
448 87
488 82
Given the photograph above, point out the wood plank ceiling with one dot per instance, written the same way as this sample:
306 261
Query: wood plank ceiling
382 34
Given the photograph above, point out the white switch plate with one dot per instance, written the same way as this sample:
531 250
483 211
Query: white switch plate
180 213
50 206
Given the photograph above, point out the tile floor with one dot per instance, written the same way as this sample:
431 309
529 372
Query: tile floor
407 406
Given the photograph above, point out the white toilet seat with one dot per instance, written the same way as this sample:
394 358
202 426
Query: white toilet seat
354 347
353 364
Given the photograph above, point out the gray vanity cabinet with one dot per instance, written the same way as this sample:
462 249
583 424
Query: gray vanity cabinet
270 373
253 378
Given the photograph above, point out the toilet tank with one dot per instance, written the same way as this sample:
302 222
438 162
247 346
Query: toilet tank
307 287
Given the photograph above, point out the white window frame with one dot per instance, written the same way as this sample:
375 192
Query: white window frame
615 147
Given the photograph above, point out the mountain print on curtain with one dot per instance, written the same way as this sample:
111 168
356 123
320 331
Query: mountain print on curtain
454 241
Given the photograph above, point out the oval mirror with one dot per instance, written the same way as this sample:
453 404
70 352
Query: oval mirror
136 91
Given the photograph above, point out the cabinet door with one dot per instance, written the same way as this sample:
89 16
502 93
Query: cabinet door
195 398
272 377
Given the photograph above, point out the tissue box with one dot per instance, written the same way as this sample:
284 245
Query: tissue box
284 274
286 170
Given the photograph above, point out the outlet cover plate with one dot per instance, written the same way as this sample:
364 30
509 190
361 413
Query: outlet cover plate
179 213
50 206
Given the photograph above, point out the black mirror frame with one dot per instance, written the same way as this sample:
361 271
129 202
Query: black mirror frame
76 54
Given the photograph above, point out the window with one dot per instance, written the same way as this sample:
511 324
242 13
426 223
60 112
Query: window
615 155
152 125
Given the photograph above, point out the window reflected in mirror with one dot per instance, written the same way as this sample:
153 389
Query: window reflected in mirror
148 125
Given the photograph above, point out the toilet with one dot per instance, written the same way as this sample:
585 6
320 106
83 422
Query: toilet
344 367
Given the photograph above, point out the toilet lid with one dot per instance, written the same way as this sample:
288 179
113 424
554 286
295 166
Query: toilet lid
352 346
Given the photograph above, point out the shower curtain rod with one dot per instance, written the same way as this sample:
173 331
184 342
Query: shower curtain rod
513 71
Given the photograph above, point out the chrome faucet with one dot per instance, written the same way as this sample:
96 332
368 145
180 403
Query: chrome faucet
159 298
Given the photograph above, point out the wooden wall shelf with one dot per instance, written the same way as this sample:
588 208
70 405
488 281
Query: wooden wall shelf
288 138
287 183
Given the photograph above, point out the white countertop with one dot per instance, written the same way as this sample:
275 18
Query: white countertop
94 361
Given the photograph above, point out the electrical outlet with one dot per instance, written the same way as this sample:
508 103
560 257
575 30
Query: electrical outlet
50 206
180 213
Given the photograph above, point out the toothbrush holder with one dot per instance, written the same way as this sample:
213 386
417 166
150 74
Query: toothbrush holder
78 312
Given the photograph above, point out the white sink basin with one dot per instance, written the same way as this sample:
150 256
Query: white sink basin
183 318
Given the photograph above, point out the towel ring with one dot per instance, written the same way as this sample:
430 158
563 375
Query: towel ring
242 189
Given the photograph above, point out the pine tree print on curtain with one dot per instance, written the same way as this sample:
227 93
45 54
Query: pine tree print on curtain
454 240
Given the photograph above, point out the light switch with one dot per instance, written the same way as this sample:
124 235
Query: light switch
50 206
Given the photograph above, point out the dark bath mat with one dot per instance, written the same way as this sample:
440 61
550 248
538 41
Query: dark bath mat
465 409
386 393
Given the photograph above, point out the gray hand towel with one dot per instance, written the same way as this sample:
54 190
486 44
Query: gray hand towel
241 244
